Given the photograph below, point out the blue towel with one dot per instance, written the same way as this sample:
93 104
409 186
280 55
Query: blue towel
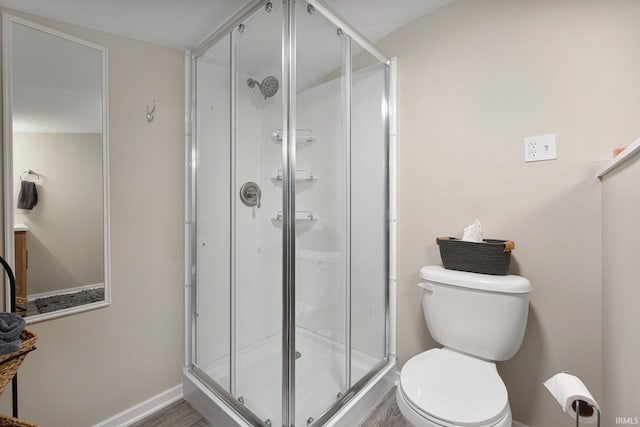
11 326
9 347
28 196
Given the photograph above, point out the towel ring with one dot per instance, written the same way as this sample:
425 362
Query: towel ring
30 172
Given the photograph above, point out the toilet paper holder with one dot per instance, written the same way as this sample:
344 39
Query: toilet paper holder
573 397
577 404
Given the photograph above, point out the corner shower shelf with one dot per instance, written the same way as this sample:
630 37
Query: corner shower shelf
301 217
302 136
301 175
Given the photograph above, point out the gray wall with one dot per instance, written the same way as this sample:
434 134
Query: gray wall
475 78
91 366
620 292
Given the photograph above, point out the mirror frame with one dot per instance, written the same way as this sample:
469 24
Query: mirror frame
8 21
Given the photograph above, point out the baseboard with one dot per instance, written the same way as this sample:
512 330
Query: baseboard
144 409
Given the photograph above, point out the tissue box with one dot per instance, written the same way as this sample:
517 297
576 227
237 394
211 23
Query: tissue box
489 257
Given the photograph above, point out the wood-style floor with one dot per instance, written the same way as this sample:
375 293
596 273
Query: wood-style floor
386 414
181 414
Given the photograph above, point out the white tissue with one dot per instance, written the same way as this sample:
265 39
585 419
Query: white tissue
567 388
473 232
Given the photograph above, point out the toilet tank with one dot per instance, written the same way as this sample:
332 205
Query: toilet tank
478 314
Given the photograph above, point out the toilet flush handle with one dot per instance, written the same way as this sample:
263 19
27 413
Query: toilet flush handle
427 287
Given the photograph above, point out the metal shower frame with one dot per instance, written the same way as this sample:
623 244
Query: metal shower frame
235 410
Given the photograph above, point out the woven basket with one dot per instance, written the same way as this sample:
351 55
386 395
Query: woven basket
21 306
489 257
6 421
10 362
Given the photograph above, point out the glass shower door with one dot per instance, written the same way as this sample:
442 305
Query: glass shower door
212 317
258 212
322 240
369 208
238 205
341 219
332 134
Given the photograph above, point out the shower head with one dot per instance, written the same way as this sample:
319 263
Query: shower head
268 87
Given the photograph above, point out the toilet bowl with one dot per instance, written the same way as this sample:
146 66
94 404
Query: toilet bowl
479 319
442 387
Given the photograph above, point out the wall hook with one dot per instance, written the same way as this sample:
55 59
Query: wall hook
151 112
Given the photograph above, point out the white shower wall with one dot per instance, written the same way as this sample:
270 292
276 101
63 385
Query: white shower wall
321 261
321 244
258 241
321 247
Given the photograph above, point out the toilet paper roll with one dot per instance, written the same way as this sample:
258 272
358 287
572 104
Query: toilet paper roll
567 389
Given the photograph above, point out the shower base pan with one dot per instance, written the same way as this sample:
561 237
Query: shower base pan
319 375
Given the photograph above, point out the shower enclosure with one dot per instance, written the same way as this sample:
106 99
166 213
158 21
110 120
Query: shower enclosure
290 220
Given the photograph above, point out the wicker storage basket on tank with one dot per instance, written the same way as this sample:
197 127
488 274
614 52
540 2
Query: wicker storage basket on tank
487 257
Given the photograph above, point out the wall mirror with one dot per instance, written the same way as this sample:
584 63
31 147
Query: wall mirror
55 170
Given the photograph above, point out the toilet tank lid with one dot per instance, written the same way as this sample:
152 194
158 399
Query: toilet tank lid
509 284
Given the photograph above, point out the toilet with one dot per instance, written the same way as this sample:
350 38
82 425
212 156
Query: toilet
478 319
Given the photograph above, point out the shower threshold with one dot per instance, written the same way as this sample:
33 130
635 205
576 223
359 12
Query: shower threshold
319 375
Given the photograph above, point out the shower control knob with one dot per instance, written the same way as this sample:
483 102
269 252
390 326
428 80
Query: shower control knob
250 194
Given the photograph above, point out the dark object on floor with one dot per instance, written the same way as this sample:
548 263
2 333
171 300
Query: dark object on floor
59 302
28 196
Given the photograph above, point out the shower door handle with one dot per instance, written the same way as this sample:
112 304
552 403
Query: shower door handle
250 194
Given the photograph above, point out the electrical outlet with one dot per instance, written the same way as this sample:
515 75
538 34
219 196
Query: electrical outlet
538 148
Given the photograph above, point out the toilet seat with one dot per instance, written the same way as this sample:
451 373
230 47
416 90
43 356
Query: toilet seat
452 389
420 419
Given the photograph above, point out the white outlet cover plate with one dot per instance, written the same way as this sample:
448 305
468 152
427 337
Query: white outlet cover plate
539 148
